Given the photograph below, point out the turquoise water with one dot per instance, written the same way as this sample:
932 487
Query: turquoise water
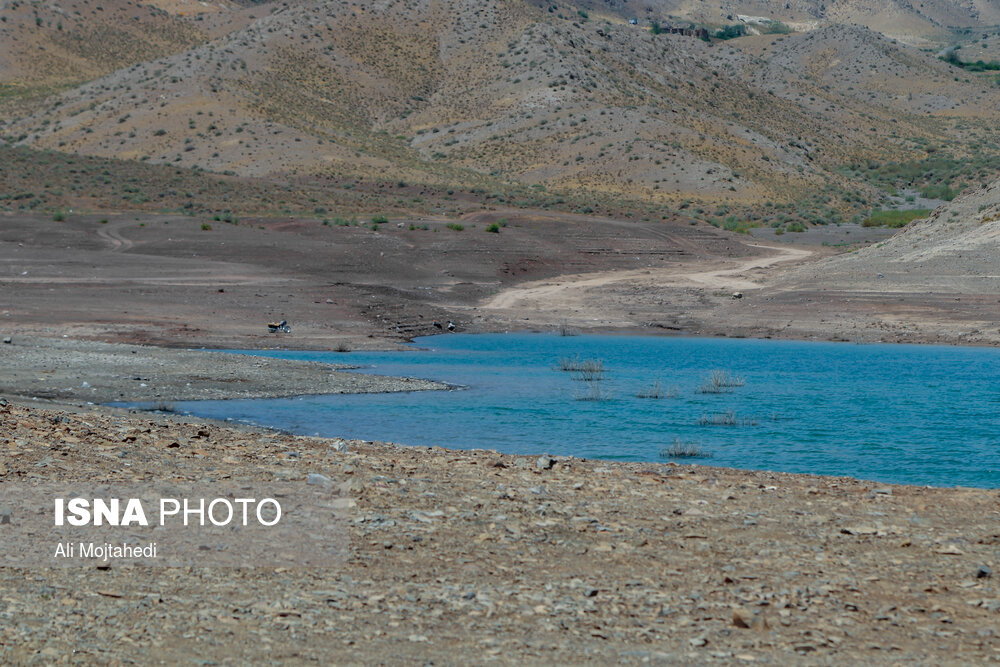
893 413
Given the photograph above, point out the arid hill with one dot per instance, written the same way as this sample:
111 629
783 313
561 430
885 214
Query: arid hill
900 19
953 250
481 93
934 281
49 45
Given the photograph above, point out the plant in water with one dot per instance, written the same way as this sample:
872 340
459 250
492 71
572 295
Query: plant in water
720 382
682 449
590 374
657 390
593 392
727 418
575 363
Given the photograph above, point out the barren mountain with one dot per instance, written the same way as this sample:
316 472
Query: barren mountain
954 250
900 19
477 93
936 280
45 45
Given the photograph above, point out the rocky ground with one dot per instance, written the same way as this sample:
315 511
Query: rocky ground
478 557
65 369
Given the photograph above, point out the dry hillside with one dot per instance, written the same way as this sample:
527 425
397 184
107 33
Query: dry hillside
479 93
901 19
47 45
954 250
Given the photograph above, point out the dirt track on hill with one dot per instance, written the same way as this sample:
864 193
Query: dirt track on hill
164 280
577 289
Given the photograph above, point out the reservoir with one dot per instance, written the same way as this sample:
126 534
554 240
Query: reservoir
925 415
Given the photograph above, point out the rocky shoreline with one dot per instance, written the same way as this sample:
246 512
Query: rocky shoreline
65 369
505 559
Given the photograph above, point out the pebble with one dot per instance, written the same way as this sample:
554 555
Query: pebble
744 618
544 463
319 480
527 566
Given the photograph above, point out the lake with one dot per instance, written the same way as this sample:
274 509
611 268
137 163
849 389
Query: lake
891 413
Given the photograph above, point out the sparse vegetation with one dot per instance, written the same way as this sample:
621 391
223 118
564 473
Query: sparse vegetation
657 390
727 418
775 28
720 382
593 391
576 364
952 58
894 219
595 374
454 226
683 449
731 31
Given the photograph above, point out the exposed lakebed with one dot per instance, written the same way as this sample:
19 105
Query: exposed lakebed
893 413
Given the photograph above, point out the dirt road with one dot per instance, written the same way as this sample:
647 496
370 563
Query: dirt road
584 296
177 280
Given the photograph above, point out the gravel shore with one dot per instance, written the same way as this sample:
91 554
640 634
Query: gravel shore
475 557
64 369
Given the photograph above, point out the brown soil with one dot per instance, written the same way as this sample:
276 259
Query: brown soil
504 560
164 280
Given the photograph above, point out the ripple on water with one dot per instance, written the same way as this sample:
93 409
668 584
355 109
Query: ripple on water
893 413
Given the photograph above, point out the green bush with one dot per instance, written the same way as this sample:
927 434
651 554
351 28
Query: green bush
894 219
455 226
59 217
493 229
731 31
939 191
205 227
776 28
379 219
